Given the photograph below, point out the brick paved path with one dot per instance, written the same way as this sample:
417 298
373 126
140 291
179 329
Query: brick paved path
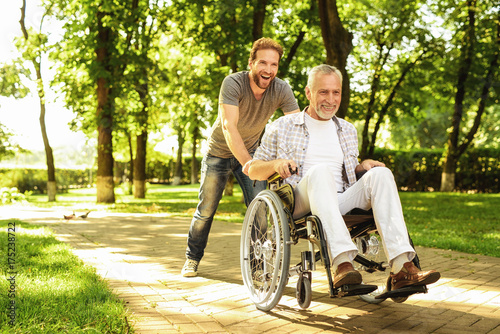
141 257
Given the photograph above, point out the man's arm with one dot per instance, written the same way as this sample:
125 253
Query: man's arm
229 116
262 170
368 164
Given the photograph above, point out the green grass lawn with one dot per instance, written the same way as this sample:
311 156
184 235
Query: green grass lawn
54 291
178 201
464 222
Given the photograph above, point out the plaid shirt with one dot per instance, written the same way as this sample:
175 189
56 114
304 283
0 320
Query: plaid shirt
288 138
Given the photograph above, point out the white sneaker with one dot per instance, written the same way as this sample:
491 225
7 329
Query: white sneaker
190 268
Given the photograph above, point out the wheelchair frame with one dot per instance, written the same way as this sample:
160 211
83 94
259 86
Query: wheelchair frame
268 232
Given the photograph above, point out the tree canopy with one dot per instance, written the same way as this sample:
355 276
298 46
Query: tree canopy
130 68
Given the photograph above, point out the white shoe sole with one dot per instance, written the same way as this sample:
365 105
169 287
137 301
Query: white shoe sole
189 274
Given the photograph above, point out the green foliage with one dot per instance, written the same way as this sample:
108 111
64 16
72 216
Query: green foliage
11 195
420 170
489 132
55 291
8 148
414 170
162 170
35 180
11 83
179 52
25 179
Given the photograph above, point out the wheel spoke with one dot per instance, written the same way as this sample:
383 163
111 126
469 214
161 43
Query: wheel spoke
264 252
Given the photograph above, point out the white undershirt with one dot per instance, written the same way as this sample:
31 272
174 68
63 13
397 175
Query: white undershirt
324 147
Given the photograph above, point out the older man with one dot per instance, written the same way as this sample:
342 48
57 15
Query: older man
324 151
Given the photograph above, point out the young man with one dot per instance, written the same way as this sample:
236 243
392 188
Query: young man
246 102
324 151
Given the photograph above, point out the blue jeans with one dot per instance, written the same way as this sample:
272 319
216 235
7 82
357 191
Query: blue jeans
214 175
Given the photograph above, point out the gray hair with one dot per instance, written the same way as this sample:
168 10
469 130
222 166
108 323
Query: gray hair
323 69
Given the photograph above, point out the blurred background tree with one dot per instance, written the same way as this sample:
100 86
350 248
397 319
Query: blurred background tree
134 72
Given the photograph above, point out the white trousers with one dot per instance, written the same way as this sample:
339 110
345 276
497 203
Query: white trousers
317 193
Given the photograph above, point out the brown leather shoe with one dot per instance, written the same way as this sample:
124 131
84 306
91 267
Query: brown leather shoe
411 275
345 274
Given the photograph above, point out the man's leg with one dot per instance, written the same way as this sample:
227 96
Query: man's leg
317 193
377 190
214 174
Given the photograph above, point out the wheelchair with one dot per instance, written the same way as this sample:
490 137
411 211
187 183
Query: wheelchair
268 232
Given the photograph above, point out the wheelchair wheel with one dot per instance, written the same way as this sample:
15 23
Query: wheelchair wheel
265 250
304 291
370 247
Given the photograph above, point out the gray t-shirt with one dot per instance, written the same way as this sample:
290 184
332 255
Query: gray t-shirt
253 114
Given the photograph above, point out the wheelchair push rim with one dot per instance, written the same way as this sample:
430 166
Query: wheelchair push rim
265 250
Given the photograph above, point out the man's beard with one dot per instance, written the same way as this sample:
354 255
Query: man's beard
257 79
324 115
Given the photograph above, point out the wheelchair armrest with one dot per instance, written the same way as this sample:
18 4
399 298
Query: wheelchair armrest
274 178
275 181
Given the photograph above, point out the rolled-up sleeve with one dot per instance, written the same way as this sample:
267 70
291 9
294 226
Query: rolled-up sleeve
268 147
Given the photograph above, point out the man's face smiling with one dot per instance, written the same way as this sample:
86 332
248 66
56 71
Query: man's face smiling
264 68
324 96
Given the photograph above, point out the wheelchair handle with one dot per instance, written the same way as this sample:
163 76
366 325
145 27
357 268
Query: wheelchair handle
277 177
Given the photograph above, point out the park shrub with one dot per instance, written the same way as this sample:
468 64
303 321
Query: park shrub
478 169
35 180
415 170
159 171
12 195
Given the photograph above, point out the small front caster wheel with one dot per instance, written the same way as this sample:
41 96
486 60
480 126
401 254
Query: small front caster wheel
304 291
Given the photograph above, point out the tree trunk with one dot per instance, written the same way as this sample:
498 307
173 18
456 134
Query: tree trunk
454 150
452 155
259 14
178 164
131 172
448 175
194 162
290 54
370 110
49 156
142 140
51 170
140 165
105 184
388 103
285 63
338 45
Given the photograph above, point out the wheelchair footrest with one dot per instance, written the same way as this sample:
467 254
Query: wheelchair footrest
403 292
354 290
